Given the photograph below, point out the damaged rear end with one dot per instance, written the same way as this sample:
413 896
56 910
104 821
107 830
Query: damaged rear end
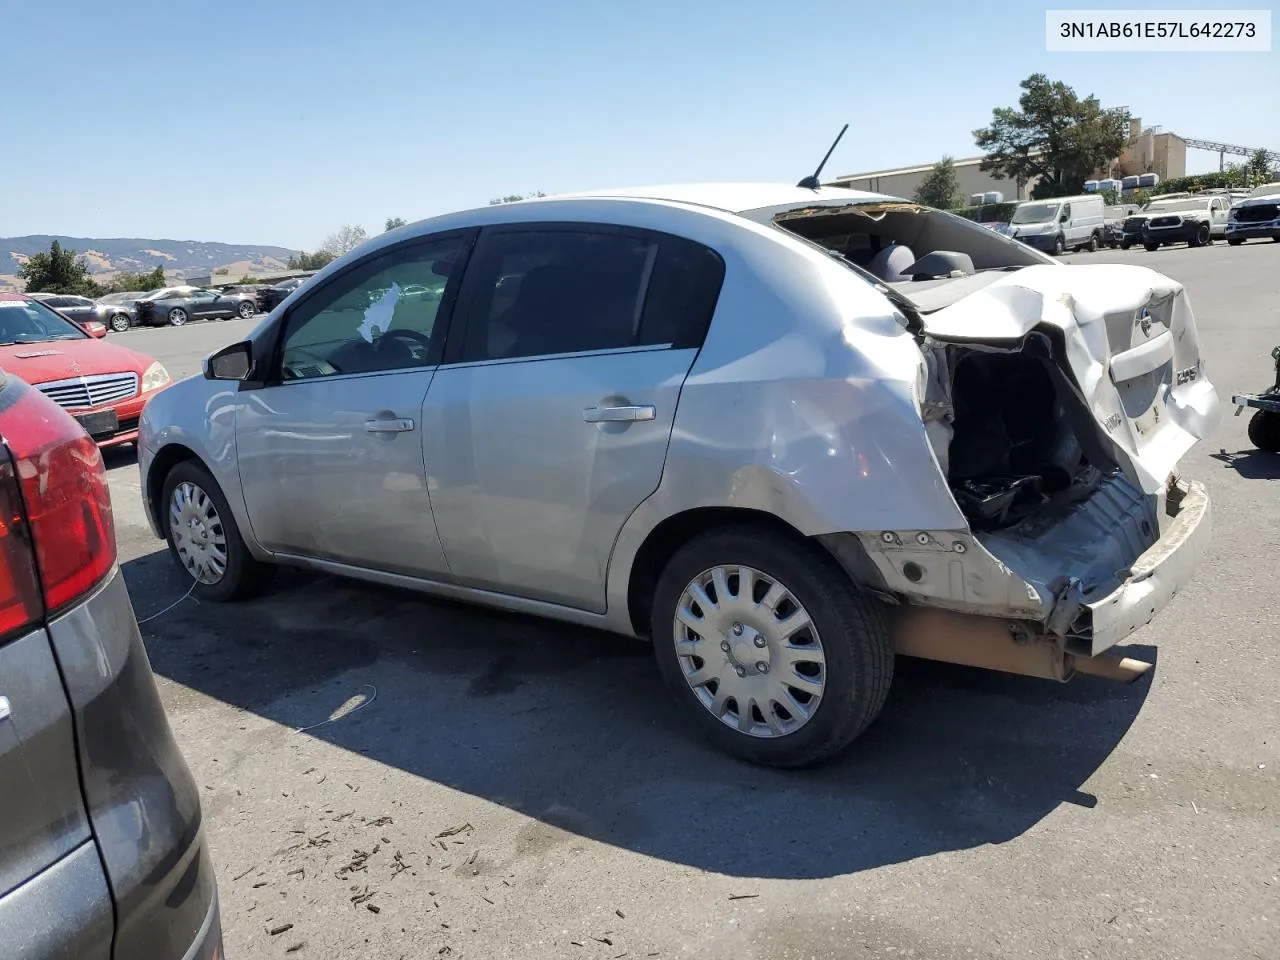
1058 402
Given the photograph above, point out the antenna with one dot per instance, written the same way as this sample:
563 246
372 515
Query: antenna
812 182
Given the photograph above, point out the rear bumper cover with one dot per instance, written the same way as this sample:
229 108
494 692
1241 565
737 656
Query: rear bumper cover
1153 579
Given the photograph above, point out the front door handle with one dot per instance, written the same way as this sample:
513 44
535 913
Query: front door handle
397 425
627 414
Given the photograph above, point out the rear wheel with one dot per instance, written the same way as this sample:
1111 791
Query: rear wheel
204 539
1236 241
1152 247
1264 430
1093 243
119 323
1125 244
768 649
177 317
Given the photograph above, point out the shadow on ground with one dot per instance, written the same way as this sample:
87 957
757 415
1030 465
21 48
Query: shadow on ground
573 727
1251 464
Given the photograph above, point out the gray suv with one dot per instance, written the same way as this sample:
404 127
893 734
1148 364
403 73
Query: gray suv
102 853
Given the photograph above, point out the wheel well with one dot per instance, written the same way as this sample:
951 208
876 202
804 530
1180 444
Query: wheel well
168 458
672 534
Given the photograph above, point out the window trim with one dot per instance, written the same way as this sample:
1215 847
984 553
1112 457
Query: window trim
270 377
692 336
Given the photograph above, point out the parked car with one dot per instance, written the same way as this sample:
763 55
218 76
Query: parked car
103 385
271 297
83 310
1255 217
1113 218
124 309
1060 224
1196 221
104 855
177 306
683 414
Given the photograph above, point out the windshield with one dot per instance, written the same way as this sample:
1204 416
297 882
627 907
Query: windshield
1035 213
119 297
1173 206
30 321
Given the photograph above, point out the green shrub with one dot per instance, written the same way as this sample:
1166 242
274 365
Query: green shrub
987 212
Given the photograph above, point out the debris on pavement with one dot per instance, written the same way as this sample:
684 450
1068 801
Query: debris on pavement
276 931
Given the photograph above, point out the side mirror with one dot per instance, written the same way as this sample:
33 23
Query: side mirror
95 329
1064 218
230 363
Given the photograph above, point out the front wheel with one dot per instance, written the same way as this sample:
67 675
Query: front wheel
204 538
768 648
1264 430
1152 247
1059 246
177 317
1125 245
245 310
119 323
1236 241
1202 238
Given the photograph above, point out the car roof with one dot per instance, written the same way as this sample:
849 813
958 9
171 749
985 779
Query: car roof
729 197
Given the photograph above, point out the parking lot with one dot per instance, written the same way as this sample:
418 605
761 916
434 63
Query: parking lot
395 777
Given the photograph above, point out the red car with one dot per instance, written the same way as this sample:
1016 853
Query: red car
102 385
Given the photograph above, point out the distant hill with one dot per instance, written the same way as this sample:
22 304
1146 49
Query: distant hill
180 258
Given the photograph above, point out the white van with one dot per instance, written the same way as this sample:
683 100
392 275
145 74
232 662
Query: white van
1059 224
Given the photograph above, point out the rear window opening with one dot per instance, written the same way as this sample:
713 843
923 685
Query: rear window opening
1021 442
888 239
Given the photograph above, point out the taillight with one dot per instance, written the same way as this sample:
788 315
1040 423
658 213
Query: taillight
20 604
64 489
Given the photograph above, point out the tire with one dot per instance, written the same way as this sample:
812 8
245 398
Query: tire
119 323
1202 237
245 310
1152 247
177 317
241 575
1236 241
1125 244
851 631
1264 431
1059 246
1093 243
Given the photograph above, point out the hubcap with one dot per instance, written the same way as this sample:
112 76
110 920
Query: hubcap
749 651
197 532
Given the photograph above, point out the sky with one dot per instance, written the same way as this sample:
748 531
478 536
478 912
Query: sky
277 123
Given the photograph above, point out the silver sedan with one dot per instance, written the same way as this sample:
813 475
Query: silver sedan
782 433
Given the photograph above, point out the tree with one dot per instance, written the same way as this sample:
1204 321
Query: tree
514 197
58 271
311 261
126 281
393 223
1055 135
344 241
940 187
1259 166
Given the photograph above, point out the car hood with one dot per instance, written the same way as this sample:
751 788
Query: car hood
62 359
1131 345
1257 201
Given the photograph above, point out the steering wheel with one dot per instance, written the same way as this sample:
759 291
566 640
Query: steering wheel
413 336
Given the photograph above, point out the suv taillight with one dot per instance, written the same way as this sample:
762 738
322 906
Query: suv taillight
20 604
63 487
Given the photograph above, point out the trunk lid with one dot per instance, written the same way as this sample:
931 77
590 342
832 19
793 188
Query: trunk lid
1131 345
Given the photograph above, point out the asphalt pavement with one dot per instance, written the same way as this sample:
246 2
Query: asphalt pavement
397 777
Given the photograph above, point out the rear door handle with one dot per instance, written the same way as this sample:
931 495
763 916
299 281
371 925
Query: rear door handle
628 414
398 425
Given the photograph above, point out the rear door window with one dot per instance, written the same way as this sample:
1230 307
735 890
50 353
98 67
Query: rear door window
549 290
